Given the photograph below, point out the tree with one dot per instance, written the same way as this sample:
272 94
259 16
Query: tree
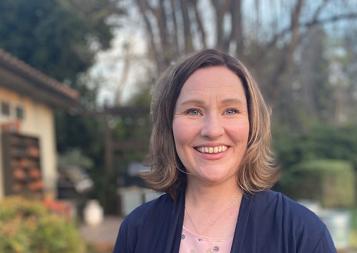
61 38
267 41
58 37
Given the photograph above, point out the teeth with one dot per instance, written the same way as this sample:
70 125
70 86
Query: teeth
212 150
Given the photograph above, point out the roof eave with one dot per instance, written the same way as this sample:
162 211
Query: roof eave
17 75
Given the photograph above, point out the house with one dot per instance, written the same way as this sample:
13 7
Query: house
28 99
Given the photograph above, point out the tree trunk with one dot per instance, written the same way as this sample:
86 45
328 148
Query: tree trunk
200 26
236 37
143 5
188 43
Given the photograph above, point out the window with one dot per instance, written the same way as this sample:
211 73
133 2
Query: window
5 108
20 112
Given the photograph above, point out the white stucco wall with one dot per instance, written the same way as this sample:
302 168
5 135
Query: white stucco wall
38 121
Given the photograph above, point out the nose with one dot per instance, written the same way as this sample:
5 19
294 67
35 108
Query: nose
212 126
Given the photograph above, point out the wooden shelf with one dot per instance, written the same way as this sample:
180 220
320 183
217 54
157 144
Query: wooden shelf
22 164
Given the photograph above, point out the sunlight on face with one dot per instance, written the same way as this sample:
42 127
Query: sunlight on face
211 125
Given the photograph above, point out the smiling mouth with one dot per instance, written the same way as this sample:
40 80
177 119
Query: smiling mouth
212 150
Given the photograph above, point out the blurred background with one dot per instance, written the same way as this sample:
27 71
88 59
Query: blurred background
75 80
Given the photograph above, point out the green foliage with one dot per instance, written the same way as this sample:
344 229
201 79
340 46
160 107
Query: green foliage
354 218
27 226
317 146
332 182
132 129
82 132
60 38
318 142
55 36
75 157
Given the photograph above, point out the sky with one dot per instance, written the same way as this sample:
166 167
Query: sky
109 64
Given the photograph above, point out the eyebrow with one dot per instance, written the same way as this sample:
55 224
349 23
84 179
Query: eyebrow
228 101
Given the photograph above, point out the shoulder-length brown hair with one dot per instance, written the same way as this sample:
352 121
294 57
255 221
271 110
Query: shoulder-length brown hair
257 171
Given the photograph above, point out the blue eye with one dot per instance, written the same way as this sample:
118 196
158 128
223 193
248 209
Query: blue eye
231 111
193 112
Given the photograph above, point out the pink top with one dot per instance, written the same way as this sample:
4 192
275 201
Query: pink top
194 243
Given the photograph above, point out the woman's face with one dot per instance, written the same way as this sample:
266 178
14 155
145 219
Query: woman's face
211 125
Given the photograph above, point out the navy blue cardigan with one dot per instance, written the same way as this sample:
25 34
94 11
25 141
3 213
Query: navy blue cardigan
268 222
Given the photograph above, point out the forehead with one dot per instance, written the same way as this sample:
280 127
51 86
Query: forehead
213 81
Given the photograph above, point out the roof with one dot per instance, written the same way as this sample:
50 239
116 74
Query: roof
34 83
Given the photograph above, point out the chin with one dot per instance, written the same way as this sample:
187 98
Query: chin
216 178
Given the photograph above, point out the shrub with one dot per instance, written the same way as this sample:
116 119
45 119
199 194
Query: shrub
318 142
331 182
26 226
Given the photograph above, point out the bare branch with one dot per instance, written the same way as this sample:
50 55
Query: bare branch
332 19
320 9
309 24
162 25
149 7
142 4
163 17
199 22
220 8
174 22
286 60
127 58
236 36
186 27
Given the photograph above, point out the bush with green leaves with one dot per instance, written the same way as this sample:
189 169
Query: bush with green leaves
26 226
320 141
331 182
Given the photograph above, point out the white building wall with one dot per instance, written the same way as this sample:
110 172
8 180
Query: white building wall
38 121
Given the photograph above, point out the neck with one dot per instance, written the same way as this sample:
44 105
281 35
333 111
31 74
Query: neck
215 195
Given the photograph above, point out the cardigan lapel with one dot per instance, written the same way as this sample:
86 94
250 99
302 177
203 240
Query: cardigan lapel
176 222
242 222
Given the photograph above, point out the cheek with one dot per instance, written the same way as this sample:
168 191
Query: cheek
179 138
178 129
183 133
239 131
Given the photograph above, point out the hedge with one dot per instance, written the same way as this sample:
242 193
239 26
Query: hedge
26 226
331 182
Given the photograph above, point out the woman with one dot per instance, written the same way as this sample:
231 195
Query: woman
210 149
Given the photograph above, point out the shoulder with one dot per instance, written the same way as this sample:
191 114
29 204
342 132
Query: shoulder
140 222
284 206
149 211
297 224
